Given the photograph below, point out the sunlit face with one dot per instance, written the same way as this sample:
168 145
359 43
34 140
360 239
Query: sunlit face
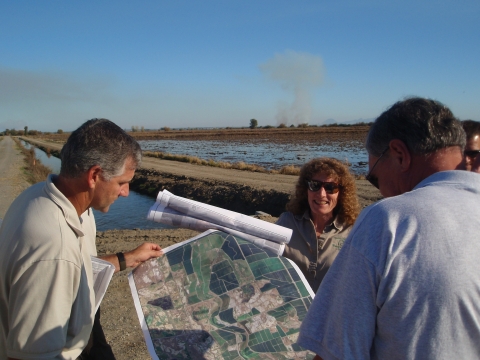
472 144
106 192
321 203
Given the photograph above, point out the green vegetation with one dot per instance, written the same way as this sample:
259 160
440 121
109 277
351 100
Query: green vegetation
253 123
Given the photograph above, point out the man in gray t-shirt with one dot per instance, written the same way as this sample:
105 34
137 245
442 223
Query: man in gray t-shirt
405 284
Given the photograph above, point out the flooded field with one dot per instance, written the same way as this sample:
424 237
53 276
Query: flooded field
264 152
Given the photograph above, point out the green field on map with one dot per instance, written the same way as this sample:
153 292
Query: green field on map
221 297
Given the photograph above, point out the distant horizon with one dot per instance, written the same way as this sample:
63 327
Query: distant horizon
260 126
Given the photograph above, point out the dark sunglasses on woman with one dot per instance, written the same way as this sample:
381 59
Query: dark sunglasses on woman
329 186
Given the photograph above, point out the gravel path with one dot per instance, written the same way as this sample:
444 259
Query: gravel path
12 178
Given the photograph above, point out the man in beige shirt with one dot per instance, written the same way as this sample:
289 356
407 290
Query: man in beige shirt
47 238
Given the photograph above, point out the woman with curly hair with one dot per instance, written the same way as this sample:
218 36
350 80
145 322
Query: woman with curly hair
321 214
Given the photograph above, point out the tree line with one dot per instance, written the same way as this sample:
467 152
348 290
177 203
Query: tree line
25 132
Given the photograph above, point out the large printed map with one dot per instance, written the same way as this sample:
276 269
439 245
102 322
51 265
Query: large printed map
221 297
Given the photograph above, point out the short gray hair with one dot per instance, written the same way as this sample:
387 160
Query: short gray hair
98 142
424 125
471 127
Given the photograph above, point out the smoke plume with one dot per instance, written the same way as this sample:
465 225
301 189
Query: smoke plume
297 73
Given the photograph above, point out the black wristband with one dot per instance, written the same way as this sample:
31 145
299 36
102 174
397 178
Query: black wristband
121 260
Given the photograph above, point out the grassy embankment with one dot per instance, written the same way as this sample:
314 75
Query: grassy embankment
34 169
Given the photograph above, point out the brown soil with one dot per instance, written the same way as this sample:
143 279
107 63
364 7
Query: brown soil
329 133
236 190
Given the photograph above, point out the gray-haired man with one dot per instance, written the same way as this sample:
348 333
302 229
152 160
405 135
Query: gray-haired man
405 284
46 240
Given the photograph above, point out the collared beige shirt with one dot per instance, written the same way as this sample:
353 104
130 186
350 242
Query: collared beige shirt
313 255
46 281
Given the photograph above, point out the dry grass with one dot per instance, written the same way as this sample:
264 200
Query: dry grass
197 161
289 170
34 168
286 133
258 133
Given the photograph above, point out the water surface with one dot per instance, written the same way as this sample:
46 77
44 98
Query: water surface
268 154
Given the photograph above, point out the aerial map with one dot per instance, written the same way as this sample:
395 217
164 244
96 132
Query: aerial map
221 297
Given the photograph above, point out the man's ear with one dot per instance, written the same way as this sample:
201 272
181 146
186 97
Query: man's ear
401 154
93 175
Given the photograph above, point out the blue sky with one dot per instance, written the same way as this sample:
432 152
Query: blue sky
222 63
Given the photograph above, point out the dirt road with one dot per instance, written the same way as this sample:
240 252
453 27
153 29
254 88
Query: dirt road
12 179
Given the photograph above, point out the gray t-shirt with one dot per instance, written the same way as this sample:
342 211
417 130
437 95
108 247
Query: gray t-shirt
406 283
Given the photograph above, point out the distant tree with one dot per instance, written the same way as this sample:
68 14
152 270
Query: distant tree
142 129
134 128
268 127
292 126
253 123
282 125
33 132
166 128
303 125
25 130
59 131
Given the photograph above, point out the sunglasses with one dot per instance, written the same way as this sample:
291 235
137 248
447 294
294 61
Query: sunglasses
329 186
372 179
472 154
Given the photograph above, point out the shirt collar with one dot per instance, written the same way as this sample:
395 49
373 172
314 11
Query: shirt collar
459 178
334 224
68 210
